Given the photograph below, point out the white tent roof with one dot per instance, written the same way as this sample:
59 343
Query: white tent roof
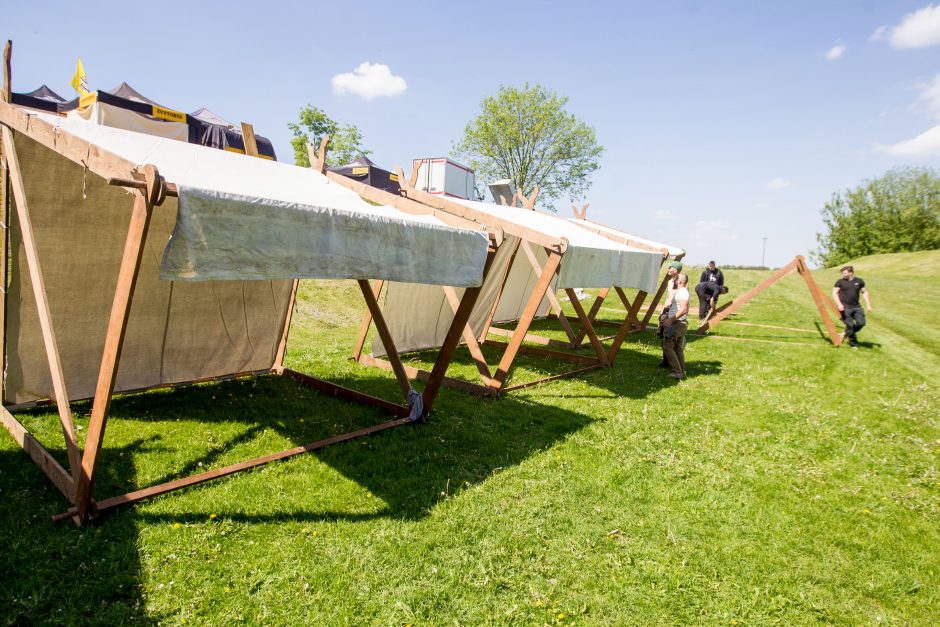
673 250
243 218
591 260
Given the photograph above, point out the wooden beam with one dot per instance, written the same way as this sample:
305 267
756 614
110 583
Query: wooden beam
528 314
748 295
620 239
488 323
416 374
340 391
550 294
592 314
97 160
248 137
626 327
366 322
386 336
658 297
7 94
472 345
819 299
588 327
278 365
457 326
564 375
146 493
530 337
544 352
42 304
114 339
47 463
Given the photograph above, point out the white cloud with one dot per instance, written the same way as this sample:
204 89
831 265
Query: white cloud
369 81
915 30
665 214
930 95
879 34
778 183
835 52
927 144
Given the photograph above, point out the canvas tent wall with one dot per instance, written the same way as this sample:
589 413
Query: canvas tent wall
91 225
632 310
125 107
365 171
541 253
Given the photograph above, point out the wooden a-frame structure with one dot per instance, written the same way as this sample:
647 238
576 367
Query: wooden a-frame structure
798 265
631 323
493 378
148 190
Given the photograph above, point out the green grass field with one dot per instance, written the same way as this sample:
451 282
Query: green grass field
783 482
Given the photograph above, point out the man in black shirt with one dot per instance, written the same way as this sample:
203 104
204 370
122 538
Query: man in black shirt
708 288
845 293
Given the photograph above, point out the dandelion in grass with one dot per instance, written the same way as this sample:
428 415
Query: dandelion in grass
213 516
177 525
866 511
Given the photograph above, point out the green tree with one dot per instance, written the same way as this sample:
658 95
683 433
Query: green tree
896 212
345 141
526 135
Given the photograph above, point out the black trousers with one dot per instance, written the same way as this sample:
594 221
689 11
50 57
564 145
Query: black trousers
854 319
706 292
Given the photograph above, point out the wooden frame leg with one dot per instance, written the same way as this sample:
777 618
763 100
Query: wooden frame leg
114 340
656 299
587 327
42 304
528 314
366 322
457 327
627 326
820 300
472 344
592 315
382 329
278 366
499 294
550 294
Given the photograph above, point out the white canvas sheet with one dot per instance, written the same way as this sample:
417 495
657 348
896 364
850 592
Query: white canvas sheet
592 260
109 115
418 318
673 250
242 218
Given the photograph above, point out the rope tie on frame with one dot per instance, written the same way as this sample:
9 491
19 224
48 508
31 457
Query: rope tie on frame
415 404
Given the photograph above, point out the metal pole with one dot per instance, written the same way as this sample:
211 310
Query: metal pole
763 256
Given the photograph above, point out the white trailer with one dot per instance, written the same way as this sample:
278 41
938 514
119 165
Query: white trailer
440 175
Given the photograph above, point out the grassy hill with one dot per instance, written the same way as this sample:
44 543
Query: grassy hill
785 481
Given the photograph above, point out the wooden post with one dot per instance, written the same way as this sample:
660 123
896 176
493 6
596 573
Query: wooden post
60 392
7 95
627 326
528 314
114 340
592 314
485 330
248 137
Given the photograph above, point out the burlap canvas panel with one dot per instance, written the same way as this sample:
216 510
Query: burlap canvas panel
177 331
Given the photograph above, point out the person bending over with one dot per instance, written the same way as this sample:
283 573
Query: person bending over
845 293
709 288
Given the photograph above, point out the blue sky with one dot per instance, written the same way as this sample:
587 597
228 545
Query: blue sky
724 122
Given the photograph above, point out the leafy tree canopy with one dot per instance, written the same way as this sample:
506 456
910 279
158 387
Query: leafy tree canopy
896 212
526 135
345 141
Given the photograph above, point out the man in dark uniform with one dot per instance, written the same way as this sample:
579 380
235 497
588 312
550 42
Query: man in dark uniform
845 293
708 288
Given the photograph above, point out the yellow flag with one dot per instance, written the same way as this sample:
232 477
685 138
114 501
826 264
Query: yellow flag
79 81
